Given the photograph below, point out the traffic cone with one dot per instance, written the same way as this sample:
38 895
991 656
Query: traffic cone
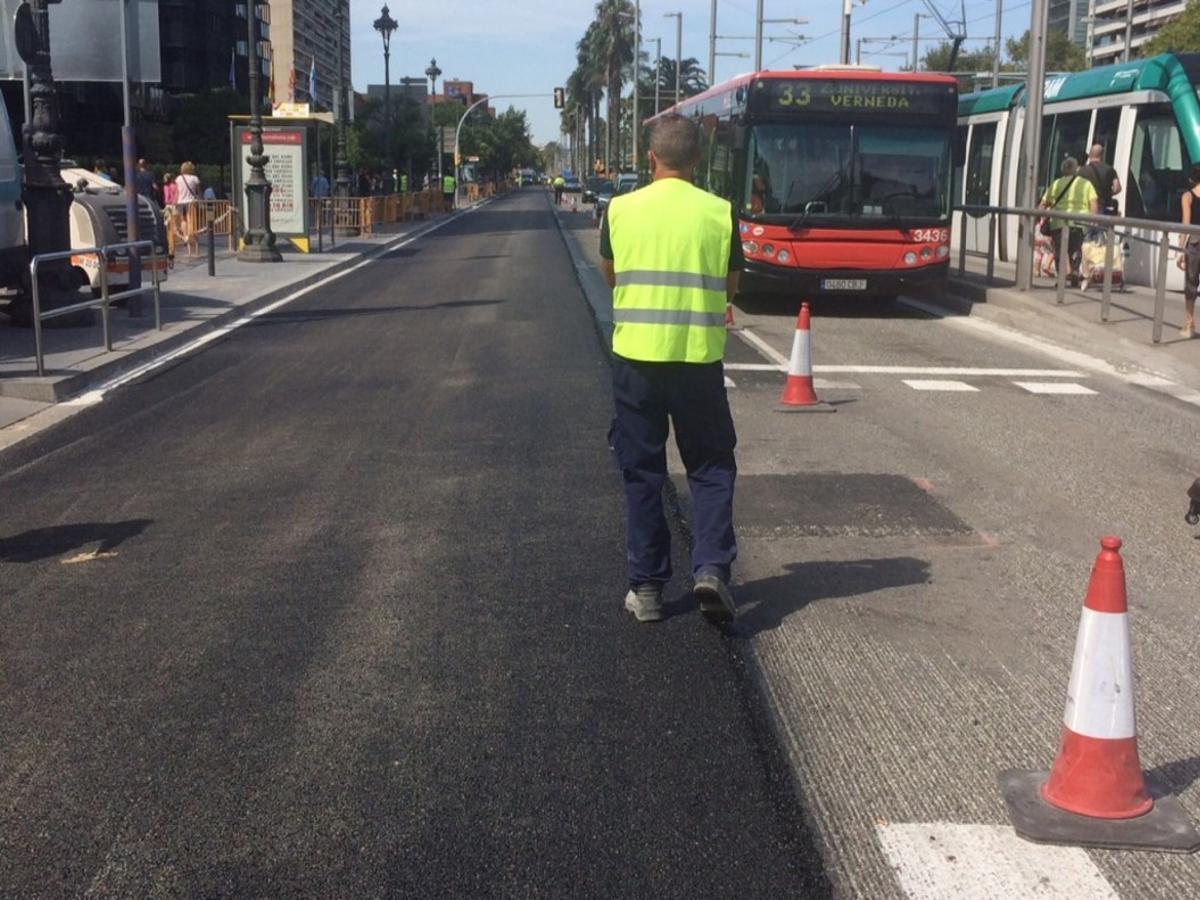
1095 794
799 394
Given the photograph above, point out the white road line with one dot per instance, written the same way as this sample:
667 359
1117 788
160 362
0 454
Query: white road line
1052 387
962 371
943 861
830 385
1065 355
763 347
754 367
920 384
729 382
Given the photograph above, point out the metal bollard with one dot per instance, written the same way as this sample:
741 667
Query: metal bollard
1160 286
332 227
1063 261
212 252
102 256
157 287
320 227
962 252
1110 249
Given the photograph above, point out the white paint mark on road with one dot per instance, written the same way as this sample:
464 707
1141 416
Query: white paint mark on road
1065 355
763 347
754 367
729 382
949 371
944 861
827 384
931 384
89 556
1050 387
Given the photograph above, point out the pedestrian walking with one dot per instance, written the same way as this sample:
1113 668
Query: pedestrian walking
1103 178
560 184
1189 258
320 186
147 184
1073 194
673 256
187 186
169 192
449 186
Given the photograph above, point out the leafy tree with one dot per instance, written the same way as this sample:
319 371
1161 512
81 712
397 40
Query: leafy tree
1062 55
502 143
937 59
1180 35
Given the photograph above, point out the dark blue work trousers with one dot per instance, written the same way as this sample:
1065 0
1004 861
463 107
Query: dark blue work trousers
693 397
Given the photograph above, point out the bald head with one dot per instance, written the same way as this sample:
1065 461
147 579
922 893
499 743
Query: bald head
1096 154
675 143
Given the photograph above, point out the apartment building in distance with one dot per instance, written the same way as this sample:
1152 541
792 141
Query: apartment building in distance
304 31
1109 24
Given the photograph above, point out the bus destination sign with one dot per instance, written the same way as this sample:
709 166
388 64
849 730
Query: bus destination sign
843 95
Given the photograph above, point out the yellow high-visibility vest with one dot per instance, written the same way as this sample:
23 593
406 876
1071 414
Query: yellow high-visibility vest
448 184
671 244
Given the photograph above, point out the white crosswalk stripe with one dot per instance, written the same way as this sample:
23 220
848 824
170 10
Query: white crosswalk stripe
1055 387
937 384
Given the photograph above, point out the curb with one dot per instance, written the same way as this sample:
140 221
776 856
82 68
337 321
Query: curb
586 276
55 389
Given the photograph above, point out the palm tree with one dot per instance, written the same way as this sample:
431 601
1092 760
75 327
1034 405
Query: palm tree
693 80
613 48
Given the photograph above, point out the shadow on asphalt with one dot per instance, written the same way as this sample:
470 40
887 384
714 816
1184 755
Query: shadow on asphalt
765 603
827 307
321 315
44 543
1176 777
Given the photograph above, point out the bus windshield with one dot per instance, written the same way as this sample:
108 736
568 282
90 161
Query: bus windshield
824 170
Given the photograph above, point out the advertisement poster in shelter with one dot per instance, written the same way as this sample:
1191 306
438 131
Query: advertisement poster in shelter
286 148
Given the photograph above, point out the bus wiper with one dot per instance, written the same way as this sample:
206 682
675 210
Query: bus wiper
829 185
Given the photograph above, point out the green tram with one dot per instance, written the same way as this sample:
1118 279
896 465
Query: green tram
1146 115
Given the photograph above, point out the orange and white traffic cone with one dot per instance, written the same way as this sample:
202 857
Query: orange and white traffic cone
799 394
1096 795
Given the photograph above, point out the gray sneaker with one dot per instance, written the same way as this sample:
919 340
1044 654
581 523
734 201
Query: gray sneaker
645 602
716 601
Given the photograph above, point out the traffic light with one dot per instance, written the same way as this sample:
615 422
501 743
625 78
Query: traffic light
560 98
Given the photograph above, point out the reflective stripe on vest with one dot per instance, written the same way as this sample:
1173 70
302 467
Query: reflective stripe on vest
671 244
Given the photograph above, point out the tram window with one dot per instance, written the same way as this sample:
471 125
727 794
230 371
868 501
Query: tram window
1157 166
979 164
1108 120
1070 139
1044 154
960 155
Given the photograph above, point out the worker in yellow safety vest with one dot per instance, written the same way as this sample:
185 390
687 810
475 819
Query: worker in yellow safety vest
449 186
404 184
672 254
559 184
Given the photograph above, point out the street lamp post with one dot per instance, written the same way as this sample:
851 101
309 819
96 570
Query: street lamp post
47 197
678 17
657 72
637 79
341 164
433 73
386 26
258 243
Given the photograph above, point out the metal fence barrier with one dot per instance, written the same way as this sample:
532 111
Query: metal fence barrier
1108 224
102 302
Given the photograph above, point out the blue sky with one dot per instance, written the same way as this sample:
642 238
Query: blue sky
528 46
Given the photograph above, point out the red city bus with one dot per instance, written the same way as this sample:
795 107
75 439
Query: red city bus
841 176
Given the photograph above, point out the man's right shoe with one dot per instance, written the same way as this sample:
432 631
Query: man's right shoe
714 596
645 602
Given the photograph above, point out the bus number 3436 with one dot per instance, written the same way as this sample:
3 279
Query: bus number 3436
930 235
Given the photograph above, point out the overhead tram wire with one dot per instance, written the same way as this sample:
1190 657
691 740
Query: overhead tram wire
836 32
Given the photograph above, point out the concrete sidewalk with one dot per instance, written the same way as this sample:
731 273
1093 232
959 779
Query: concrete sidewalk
192 303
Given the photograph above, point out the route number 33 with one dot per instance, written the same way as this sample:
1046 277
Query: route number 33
790 96
930 235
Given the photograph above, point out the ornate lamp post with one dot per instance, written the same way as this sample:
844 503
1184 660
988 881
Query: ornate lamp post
433 73
341 164
259 240
386 26
47 197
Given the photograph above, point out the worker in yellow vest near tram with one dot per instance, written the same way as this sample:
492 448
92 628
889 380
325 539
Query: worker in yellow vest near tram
449 186
673 256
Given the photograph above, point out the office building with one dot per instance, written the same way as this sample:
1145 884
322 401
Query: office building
204 45
304 32
1070 17
1111 21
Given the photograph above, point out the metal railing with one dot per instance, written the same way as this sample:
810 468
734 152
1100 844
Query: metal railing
1109 225
102 302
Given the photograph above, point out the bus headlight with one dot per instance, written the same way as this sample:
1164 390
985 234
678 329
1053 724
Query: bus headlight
768 249
926 253
943 251
783 256
910 258
749 247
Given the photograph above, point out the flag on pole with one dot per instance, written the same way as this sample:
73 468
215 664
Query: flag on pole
233 68
292 85
271 89
312 81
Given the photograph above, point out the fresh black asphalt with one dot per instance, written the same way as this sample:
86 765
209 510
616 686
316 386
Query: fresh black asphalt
333 609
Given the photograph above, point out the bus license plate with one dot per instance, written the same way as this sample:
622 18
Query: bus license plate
843 284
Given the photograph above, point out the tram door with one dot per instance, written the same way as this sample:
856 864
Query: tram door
981 154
